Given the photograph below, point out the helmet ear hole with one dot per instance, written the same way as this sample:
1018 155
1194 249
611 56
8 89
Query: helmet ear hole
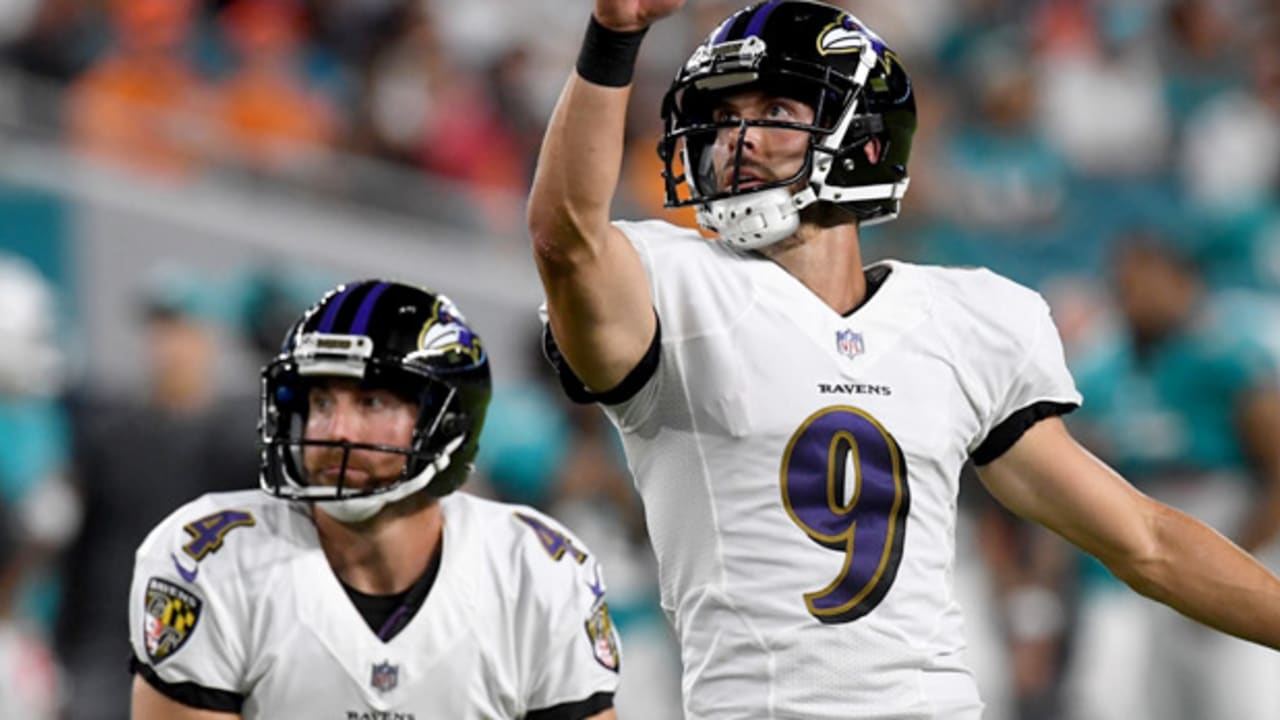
452 425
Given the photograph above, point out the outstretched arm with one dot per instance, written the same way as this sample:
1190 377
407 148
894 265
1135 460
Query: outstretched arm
1161 552
601 311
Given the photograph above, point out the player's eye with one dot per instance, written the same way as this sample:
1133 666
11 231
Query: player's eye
722 115
779 111
321 401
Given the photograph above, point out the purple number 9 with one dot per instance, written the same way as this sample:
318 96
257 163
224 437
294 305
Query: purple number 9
844 482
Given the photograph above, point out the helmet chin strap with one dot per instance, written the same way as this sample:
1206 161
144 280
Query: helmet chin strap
357 510
755 220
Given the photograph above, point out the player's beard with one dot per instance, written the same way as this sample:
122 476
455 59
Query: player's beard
750 176
346 510
328 470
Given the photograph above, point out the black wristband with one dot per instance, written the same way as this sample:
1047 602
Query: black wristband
608 57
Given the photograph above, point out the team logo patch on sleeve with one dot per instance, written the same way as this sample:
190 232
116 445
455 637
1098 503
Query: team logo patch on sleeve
169 617
603 637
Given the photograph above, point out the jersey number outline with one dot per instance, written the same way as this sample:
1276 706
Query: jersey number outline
208 532
553 541
869 528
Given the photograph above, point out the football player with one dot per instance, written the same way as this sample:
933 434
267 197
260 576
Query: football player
796 422
29 674
1184 401
359 585
39 510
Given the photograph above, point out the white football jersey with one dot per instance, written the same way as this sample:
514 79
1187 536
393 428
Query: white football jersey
234 604
799 471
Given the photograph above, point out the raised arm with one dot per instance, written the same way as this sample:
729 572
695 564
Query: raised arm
601 311
1161 552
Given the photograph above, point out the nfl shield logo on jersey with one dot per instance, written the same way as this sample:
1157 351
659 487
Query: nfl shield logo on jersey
385 677
849 343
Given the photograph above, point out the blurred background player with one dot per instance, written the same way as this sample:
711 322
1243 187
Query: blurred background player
38 510
139 453
1185 401
29 675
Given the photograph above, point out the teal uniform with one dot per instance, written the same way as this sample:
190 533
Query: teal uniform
36 450
1167 419
1170 416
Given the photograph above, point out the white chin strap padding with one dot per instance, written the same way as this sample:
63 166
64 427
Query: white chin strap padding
355 510
755 220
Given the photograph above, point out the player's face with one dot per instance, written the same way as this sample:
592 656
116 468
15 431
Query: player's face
1152 290
341 410
768 154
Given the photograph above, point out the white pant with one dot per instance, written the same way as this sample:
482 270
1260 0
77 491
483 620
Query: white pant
1136 659
986 649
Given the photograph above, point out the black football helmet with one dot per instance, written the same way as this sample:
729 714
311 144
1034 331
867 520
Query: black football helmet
811 52
390 336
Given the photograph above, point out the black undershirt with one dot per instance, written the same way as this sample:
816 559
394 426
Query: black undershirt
387 615
875 276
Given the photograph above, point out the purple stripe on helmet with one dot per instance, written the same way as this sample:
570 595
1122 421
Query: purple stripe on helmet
331 312
758 19
366 308
724 30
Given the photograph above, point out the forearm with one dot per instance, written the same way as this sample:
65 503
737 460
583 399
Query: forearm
1161 552
598 301
578 169
1201 574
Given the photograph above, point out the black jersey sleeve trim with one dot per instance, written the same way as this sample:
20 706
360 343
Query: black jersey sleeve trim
597 703
188 693
578 392
1004 435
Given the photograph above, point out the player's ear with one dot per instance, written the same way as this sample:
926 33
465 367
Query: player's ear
872 150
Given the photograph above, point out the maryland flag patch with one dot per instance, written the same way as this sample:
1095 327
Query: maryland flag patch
603 637
169 617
